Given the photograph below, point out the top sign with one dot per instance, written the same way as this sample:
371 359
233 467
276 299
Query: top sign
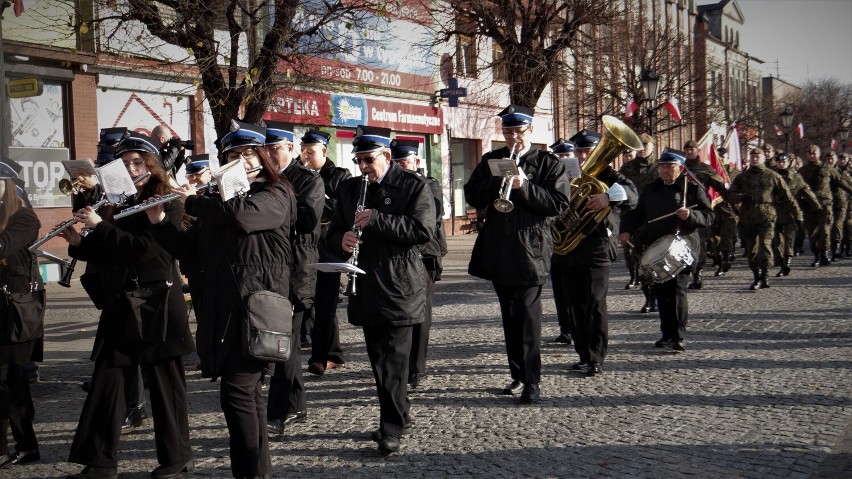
24 87
451 92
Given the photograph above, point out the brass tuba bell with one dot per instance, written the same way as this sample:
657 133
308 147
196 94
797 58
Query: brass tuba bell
571 227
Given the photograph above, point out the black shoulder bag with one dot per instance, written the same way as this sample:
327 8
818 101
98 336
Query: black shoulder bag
24 312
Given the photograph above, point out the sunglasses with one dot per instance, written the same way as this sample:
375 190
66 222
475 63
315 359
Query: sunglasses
366 160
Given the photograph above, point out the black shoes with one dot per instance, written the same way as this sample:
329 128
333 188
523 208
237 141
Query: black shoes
580 367
388 444
663 343
173 471
136 417
785 267
91 472
531 393
562 339
376 435
696 280
413 380
316 368
594 369
677 346
513 387
276 426
19 458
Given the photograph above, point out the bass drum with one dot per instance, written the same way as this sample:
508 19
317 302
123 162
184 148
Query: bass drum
665 258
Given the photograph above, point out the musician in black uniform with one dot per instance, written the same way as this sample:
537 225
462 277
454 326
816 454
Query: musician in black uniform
198 172
564 150
585 269
398 216
664 196
326 352
287 387
513 250
131 264
242 246
404 153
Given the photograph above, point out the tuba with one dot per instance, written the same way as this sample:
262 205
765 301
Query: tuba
572 226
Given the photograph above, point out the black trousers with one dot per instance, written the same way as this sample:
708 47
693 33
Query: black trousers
420 332
388 348
673 306
325 333
241 399
287 386
558 274
520 307
99 430
16 409
586 287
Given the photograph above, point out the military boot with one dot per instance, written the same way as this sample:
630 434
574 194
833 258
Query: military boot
755 285
718 261
785 267
647 306
823 259
832 253
632 281
653 293
763 281
817 261
696 279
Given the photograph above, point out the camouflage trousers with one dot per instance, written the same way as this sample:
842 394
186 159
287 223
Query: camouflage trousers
701 259
723 233
840 211
785 236
758 243
818 227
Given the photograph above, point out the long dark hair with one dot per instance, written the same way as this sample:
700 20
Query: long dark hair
9 203
158 183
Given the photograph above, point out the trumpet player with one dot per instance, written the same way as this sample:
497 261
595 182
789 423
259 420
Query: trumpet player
286 402
584 281
398 216
514 249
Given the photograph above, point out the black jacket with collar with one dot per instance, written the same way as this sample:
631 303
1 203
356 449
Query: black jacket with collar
308 187
515 248
393 292
332 176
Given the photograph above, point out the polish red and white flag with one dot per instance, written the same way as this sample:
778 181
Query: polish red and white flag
779 131
835 144
673 108
18 8
800 129
630 108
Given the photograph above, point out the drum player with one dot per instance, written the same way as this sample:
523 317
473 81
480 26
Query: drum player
663 210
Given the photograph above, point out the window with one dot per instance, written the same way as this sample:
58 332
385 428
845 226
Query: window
499 65
466 56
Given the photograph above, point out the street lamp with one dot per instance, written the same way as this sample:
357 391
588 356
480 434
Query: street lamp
650 83
787 122
844 137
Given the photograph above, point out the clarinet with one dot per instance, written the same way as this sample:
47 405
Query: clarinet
353 260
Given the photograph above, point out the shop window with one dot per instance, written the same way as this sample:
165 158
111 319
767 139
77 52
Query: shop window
466 56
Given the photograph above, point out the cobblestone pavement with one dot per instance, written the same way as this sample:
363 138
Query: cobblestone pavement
763 391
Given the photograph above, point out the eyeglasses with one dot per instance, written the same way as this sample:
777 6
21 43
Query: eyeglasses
273 148
508 132
193 175
248 154
367 159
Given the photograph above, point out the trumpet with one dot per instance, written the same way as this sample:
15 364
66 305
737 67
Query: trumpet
503 204
69 187
353 260
64 226
169 197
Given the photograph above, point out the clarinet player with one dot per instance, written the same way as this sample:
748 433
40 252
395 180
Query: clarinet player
398 215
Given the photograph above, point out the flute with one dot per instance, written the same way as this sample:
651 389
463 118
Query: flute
167 198
64 226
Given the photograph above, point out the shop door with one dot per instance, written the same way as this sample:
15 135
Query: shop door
465 156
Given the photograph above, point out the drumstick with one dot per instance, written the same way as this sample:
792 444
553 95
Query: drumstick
684 192
668 214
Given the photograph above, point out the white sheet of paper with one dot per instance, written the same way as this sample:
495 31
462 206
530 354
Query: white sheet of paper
502 167
337 268
231 180
572 165
115 180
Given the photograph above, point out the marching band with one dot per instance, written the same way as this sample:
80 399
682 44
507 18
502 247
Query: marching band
299 221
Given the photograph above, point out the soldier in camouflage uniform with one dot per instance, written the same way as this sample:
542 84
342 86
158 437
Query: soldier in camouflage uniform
723 233
839 210
760 190
846 244
786 225
640 167
824 181
709 179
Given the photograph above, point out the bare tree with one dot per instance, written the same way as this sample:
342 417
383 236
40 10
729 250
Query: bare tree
824 108
531 36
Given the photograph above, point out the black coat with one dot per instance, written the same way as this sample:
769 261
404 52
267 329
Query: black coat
124 252
332 176
514 248
436 248
241 246
659 199
393 292
309 191
18 270
601 244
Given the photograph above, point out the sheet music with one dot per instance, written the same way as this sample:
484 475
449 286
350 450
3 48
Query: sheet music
116 181
337 268
572 165
502 167
77 168
231 180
